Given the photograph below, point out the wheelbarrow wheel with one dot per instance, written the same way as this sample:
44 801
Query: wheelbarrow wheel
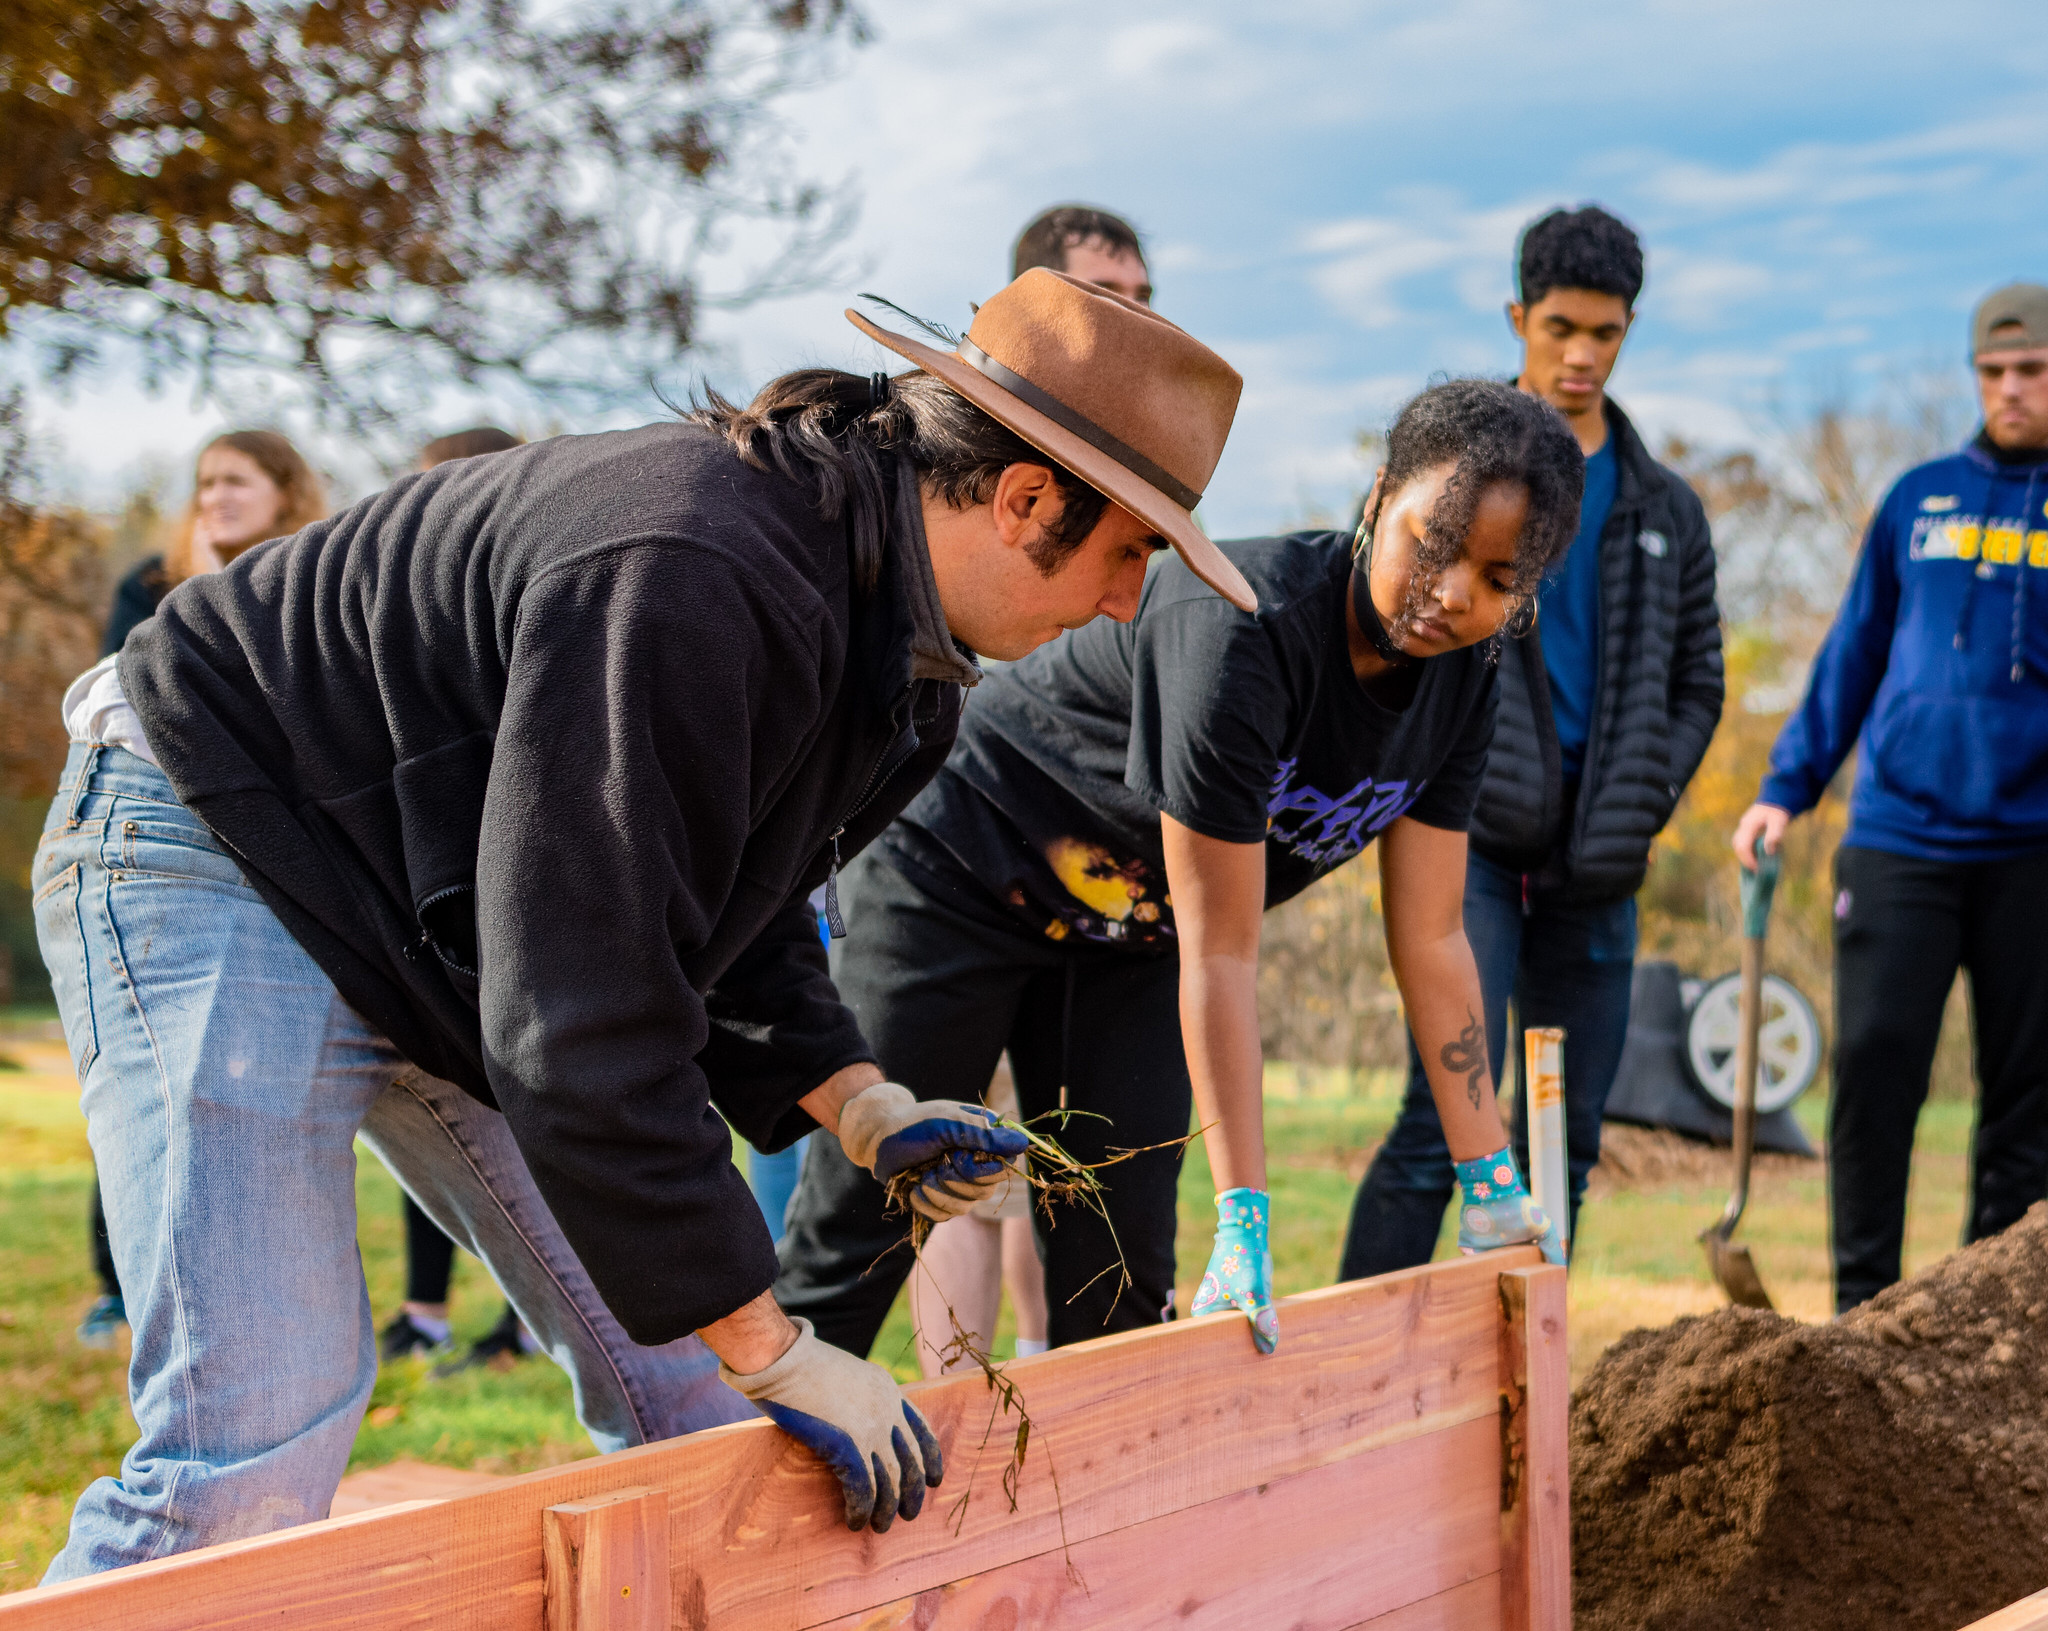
1788 1046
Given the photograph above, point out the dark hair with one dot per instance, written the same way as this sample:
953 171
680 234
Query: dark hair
1047 239
467 444
833 430
1585 248
1489 432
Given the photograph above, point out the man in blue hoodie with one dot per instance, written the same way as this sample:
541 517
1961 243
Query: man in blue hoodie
1937 671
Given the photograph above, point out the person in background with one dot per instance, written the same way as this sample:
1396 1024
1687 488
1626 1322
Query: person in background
1085 881
967 1262
1936 673
249 485
1086 243
467 444
421 1324
1607 704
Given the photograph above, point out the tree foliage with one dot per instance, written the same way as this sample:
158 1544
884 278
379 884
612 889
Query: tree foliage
53 591
53 595
384 195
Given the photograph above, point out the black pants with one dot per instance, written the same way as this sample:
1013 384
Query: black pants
1902 928
942 981
102 1250
1566 965
429 1255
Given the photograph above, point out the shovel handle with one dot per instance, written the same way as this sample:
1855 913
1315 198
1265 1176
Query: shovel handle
1759 883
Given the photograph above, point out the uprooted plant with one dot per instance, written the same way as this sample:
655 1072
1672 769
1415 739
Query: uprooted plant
1055 1178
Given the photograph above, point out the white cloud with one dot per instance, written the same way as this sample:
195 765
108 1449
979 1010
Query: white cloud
1698 290
1365 260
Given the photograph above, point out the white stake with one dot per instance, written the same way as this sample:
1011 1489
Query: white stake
1543 1081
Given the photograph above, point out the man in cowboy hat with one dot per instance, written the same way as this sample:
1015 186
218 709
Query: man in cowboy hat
479 820
968 1261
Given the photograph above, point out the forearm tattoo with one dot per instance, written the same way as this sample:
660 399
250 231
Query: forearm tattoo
1467 1056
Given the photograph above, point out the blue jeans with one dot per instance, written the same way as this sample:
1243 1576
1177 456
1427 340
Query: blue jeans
1563 965
225 1084
773 1180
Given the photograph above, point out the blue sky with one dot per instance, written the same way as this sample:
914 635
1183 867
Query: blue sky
1332 194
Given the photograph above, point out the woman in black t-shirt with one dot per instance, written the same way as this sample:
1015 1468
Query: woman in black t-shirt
1084 882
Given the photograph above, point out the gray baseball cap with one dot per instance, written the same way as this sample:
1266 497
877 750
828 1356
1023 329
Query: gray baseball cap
2014 318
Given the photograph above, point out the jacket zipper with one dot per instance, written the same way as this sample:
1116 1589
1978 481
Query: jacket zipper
418 950
1550 755
1576 836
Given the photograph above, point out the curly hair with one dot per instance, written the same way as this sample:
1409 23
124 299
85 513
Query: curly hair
832 431
1489 433
1585 248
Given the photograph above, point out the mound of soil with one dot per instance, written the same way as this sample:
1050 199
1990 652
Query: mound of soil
1741 1470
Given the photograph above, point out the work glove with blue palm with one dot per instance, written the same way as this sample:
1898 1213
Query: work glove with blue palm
1240 1272
968 1151
852 1416
1496 1209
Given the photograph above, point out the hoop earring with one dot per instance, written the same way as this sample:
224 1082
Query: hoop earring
1362 539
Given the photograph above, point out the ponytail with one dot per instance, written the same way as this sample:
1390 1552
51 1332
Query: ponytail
833 432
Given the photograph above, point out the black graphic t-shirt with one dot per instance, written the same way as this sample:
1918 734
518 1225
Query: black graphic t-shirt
1241 727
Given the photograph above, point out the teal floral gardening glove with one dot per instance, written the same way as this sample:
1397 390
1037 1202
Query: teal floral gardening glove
1497 1210
1240 1273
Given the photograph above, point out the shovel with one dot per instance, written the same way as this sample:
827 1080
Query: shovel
1731 1263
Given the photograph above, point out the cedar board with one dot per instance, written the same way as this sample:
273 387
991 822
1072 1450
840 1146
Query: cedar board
1365 1455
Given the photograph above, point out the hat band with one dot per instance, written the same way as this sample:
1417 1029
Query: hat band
1090 432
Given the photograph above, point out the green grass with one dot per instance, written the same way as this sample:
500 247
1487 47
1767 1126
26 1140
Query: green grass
64 1419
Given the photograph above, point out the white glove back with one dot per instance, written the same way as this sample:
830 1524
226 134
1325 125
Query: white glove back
854 1418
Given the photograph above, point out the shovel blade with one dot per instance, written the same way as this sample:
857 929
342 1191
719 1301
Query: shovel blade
1735 1271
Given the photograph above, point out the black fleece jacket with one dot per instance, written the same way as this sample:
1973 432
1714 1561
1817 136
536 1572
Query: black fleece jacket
538 757
1655 707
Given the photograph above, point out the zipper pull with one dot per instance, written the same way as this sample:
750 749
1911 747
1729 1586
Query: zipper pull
835 925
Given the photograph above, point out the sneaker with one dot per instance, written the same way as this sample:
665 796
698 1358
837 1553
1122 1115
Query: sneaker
502 1341
401 1339
104 1323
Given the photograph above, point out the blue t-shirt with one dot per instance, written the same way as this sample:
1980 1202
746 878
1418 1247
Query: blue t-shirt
1569 618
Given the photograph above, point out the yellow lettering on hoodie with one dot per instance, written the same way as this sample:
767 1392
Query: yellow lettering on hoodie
2037 549
2002 545
1967 541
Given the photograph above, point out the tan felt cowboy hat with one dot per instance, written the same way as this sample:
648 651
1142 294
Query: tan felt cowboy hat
1134 406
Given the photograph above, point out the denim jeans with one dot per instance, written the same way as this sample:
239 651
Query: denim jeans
1563 965
225 1084
773 1180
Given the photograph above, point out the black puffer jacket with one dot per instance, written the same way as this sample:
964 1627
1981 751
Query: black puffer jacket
1655 709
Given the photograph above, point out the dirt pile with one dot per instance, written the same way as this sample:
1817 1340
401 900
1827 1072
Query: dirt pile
1740 1470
